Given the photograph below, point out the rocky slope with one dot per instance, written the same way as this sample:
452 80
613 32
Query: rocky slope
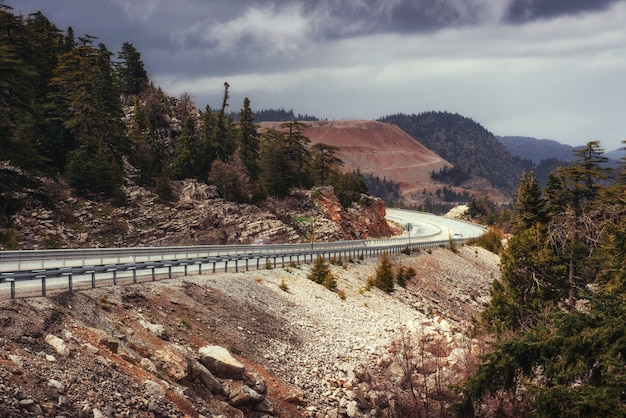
197 216
256 344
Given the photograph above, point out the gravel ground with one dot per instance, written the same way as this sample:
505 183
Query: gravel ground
308 343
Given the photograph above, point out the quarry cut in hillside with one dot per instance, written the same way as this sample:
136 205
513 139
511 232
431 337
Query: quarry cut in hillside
377 148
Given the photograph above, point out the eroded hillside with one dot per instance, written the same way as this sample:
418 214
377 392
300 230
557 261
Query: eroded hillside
380 149
298 349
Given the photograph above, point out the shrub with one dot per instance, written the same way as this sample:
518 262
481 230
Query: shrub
384 274
400 276
490 240
283 286
320 273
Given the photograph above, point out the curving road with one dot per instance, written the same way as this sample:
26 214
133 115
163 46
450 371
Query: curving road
433 227
35 270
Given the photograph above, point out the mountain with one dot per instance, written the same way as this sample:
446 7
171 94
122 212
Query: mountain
381 149
616 154
474 151
536 150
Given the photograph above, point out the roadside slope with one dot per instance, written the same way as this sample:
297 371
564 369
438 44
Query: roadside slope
307 351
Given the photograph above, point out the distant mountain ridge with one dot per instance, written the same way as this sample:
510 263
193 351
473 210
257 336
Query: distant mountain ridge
536 150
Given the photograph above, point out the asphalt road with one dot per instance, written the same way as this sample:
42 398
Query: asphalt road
426 226
418 227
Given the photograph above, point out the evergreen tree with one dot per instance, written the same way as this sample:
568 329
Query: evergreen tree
529 203
186 161
248 140
84 81
348 186
582 181
325 160
561 362
295 145
276 175
223 139
133 78
384 277
320 273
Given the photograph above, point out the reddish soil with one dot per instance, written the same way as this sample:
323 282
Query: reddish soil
380 149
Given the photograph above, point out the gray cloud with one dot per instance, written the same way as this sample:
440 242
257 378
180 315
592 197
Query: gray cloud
543 68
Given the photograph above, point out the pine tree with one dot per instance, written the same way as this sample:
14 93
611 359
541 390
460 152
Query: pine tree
384 274
185 163
582 181
324 161
224 138
248 140
320 273
295 144
529 203
133 78
84 82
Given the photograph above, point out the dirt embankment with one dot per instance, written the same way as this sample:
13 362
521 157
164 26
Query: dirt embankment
137 350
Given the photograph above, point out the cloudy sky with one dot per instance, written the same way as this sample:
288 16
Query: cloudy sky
543 68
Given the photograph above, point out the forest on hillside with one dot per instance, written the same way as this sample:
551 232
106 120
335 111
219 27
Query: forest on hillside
556 316
76 112
474 151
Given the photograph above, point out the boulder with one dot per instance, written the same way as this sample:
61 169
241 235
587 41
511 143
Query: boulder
220 362
244 396
200 374
58 344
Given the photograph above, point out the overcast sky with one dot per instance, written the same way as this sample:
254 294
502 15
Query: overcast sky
543 68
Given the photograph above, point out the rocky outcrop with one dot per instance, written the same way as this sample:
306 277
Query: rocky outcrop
198 217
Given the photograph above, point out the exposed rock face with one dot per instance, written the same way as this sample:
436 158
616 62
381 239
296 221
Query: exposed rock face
198 216
362 220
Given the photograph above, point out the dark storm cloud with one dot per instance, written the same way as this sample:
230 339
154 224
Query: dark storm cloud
526 10
544 68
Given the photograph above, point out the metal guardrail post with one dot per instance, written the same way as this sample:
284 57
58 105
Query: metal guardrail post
93 278
114 275
134 269
169 271
12 281
185 265
153 273
43 284
70 284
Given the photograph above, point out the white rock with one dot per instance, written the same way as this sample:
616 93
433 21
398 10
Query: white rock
58 344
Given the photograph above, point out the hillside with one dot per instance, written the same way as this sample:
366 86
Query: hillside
154 349
197 216
536 150
473 150
379 149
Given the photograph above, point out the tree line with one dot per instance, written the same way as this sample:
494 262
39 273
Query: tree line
73 110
